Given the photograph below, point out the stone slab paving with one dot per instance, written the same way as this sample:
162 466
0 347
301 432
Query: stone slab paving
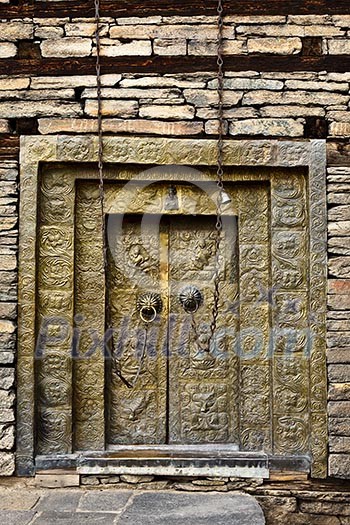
117 507
192 509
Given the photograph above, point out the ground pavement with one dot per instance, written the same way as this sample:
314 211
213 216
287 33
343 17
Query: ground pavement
27 506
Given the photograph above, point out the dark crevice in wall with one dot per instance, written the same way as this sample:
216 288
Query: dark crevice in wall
78 92
28 49
312 46
316 128
24 126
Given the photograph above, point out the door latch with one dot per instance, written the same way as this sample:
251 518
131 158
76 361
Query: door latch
149 305
191 299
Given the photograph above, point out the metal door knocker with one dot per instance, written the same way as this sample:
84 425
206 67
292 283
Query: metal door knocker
149 305
191 299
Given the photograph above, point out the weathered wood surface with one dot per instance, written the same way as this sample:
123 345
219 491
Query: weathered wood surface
172 64
338 154
126 8
9 147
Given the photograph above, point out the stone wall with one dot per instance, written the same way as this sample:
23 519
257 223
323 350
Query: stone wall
256 104
339 321
297 104
175 35
8 310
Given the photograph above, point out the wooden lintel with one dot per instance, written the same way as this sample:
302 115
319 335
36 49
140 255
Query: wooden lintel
9 147
172 64
338 153
127 8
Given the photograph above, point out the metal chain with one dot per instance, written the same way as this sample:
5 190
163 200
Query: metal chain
219 170
219 180
109 323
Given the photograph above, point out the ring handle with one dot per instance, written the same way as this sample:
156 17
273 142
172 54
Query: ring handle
191 299
154 313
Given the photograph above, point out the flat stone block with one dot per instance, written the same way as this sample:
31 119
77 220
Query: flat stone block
78 518
136 479
339 426
7 378
339 213
16 517
339 373
287 30
203 98
209 47
146 32
156 127
104 501
73 81
339 286
167 112
339 391
339 266
7 464
40 108
321 507
280 46
8 310
16 30
267 127
248 83
118 108
7 438
291 111
339 129
57 481
134 48
66 501
339 408
334 325
339 228
18 499
169 47
339 445
154 508
339 46
338 355
338 198
338 339
66 47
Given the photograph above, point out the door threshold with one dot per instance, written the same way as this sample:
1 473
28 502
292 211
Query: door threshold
210 450
178 461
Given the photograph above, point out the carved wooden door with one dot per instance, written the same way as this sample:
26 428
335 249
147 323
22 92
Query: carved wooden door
186 391
202 371
137 413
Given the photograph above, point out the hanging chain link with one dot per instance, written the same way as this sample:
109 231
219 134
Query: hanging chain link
219 183
219 170
109 323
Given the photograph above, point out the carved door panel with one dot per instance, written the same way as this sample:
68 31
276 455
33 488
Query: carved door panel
185 393
137 415
203 373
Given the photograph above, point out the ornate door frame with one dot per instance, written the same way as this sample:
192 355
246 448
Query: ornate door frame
39 153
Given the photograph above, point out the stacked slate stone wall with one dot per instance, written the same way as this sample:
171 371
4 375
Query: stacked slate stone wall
258 103
8 310
339 320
